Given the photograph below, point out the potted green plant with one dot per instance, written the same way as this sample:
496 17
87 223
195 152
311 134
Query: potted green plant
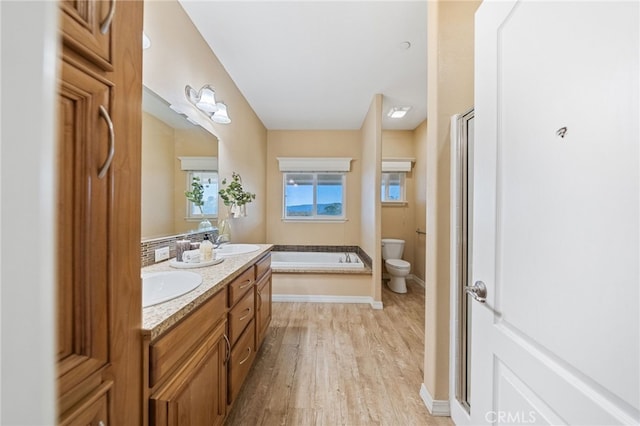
196 196
235 197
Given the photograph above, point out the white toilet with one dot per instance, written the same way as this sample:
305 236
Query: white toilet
397 268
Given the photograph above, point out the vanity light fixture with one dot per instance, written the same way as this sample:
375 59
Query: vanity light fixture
221 116
205 100
398 111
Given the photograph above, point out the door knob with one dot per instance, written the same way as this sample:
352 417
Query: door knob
478 291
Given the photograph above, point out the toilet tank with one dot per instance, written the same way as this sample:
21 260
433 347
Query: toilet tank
392 248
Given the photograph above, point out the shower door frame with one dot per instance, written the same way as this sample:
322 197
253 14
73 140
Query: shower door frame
461 258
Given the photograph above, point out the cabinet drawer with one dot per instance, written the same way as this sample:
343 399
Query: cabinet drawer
93 410
262 266
240 315
242 357
241 285
168 351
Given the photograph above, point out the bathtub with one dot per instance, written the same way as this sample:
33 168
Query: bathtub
307 260
312 276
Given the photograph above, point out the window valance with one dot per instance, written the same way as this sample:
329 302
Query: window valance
198 163
312 164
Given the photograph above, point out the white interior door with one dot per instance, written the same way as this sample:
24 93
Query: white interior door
556 214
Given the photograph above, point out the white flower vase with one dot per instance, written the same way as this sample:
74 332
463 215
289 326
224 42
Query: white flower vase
238 211
224 228
204 223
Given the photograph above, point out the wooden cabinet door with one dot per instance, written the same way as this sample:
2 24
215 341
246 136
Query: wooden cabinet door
196 395
86 28
83 234
98 213
263 308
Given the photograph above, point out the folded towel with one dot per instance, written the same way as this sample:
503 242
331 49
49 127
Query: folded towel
191 256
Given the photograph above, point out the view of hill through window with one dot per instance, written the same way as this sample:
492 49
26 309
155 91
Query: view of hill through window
314 194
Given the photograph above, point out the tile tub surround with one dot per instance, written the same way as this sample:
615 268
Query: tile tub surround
327 249
159 318
148 247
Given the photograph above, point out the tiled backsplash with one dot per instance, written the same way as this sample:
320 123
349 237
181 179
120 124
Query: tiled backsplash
148 247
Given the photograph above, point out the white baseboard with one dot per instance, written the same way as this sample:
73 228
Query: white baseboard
435 407
375 304
310 298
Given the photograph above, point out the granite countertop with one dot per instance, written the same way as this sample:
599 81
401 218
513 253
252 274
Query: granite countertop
159 318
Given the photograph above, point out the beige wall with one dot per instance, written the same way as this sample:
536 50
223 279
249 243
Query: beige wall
402 221
370 222
157 177
420 194
398 221
179 56
450 90
291 143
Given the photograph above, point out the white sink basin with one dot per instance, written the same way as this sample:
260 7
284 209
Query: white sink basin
227 250
158 287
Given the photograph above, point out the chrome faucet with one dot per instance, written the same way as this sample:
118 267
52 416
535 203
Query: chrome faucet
221 239
347 258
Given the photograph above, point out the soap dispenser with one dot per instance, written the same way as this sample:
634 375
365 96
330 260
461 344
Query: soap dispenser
206 249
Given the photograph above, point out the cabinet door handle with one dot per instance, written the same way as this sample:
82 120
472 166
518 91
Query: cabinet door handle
248 283
226 358
112 143
104 27
248 356
248 311
259 298
101 423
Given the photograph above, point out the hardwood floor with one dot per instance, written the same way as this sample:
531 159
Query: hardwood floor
340 364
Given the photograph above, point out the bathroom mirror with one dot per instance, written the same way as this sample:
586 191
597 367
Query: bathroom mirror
167 136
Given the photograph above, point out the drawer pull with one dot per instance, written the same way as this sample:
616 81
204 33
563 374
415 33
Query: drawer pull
112 144
248 311
248 356
107 21
228 354
248 283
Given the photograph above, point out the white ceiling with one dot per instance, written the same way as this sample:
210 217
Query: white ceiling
308 65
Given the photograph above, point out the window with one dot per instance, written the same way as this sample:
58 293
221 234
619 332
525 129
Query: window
392 190
314 196
209 180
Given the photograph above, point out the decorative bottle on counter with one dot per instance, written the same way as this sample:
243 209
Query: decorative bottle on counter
206 249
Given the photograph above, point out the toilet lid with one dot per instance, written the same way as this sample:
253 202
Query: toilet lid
398 263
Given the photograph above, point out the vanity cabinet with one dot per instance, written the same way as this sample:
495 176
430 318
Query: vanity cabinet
194 371
98 213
